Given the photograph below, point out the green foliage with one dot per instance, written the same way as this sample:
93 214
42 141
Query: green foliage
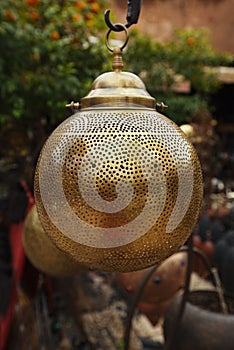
121 344
184 58
50 54
51 51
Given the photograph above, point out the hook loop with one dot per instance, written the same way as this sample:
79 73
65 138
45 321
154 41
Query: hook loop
134 7
113 27
122 27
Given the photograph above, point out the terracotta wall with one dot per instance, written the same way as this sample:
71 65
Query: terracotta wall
160 17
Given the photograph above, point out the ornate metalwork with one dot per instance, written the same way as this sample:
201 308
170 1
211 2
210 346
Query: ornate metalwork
118 186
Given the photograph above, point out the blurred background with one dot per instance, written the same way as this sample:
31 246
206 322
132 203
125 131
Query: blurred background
50 53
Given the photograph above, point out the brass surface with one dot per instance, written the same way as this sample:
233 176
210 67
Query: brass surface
118 189
108 45
118 186
42 252
118 88
188 130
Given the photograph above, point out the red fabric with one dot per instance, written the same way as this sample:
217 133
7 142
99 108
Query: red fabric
18 260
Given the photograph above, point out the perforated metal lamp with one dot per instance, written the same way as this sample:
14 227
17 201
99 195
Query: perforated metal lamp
118 186
42 252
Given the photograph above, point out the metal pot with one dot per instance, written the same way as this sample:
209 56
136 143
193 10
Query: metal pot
167 279
203 326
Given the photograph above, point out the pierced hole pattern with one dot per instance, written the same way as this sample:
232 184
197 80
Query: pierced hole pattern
118 190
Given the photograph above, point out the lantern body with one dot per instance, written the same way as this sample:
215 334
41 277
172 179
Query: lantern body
118 186
42 252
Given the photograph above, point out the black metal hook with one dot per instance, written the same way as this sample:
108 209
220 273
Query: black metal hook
134 7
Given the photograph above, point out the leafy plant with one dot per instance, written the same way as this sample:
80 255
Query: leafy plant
185 58
50 53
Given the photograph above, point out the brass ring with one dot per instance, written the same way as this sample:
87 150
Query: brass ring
111 49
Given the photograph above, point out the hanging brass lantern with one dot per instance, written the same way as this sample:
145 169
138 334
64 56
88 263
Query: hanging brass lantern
42 252
118 186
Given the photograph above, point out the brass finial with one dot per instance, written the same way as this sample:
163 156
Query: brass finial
161 106
73 105
117 88
117 51
117 64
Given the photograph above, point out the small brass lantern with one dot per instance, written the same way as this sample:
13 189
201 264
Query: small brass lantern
43 253
118 186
